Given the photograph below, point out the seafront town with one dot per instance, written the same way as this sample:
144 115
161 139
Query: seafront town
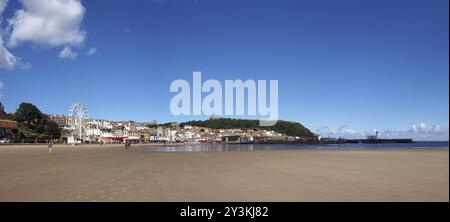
77 127
151 132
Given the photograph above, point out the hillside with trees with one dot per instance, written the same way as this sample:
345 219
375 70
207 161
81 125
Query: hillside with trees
286 127
34 124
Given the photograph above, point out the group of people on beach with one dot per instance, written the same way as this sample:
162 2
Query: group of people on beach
127 145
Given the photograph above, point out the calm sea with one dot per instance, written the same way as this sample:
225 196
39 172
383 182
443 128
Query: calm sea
256 147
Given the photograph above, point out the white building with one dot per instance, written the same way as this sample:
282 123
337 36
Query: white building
94 131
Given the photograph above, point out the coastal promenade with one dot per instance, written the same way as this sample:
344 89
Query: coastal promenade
111 173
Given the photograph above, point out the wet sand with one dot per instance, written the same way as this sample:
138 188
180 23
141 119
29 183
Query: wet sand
110 173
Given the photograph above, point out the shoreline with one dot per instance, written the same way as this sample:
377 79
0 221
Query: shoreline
110 173
280 148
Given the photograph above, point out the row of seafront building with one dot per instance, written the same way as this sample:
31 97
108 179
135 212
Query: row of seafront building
118 131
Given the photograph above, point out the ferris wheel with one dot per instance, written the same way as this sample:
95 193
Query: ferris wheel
78 115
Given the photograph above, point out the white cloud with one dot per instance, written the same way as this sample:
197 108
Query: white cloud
91 51
48 23
7 59
422 126
3 4
67 53
343 131
416 132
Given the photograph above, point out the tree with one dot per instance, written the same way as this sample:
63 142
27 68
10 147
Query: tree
2 111
30 115
32 123
52 130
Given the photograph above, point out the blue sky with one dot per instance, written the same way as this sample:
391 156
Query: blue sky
365 65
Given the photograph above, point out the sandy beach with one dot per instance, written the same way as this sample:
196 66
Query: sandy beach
110 173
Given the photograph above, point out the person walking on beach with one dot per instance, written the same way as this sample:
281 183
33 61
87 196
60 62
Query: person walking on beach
126 145
50 147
